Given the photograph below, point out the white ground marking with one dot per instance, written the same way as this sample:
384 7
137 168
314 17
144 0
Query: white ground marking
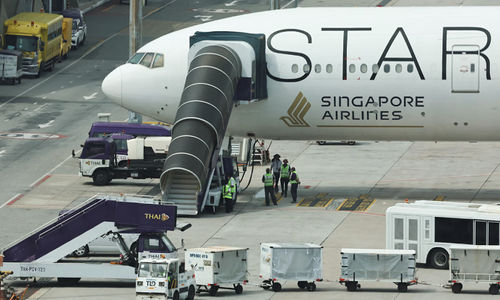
94 95
49 123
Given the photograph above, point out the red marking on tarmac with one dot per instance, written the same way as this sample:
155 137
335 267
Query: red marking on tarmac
307 187
15 199
41 180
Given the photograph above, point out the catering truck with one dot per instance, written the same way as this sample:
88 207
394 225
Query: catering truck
38 36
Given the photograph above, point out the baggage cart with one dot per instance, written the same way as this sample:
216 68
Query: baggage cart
475 264
218 267
11 66
301 262
396 266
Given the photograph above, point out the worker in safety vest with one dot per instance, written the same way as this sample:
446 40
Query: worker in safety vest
267 179
285 177
276 169
232 181
294 182
227 192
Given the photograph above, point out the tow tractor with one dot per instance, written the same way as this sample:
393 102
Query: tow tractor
42 253
163 279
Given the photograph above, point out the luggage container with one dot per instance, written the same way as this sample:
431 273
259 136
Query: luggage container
475 264
11 66
396 266
218 266
290 261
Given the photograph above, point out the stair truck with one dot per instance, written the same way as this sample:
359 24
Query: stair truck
42 253
164 279
217 267
145 158
38 36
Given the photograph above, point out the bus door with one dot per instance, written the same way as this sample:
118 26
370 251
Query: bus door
406 233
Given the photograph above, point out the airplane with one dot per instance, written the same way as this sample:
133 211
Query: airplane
392 73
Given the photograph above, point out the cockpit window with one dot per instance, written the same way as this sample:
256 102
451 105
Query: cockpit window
158 62
146 60
136 58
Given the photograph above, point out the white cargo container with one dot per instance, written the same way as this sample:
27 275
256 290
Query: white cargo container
477 264
290 261
396 266
217 266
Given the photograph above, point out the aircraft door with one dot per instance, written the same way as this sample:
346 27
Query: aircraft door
465 69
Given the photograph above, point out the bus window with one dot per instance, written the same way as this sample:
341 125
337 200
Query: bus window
451 230
480 233
493 234
398 233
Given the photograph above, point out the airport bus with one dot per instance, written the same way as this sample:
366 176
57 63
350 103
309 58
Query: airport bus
431 227
106 129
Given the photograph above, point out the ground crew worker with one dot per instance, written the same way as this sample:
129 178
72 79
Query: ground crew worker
232 181
228 196
276 168
294 182
267 179
285 177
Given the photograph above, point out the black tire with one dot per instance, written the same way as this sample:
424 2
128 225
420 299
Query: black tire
191 292
83 40
82 251
302 284
350 143
213 290
176 295
238 289
456 288
494 289
321 142
276 286
67 281
438 258
101 177
351 285
133 249
402 287
311 287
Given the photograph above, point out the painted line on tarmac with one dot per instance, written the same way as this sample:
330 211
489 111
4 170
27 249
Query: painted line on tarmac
40 181
12 200
290 2
439 198
383 3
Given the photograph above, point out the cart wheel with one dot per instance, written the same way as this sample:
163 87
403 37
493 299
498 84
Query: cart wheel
402 287
213 290
456 288
311 287
276 286
494 289
302 284
238 289
351 285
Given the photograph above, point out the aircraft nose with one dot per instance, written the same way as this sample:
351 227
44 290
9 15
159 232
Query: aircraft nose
112 85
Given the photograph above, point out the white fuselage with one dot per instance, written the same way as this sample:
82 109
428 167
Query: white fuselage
437 78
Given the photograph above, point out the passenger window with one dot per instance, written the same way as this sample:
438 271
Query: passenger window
472 68
409 68
295 68
427 229
480 233
307 68
375 68
146 60
453 230
317 68
352 68
493 234
136 58
399 68
398 229
329 68
364 68
387 68
158 62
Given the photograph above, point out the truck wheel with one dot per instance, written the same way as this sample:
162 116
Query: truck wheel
438 258
456 288
67 281
494 289
276 286
176 295
402 287
351 285
311 287
101 177
191 292
213 290
238 289
321 142
302 284
82 251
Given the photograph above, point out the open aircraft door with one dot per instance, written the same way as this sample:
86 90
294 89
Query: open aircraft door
465 69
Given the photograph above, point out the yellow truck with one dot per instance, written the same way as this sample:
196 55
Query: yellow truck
38 36
67 27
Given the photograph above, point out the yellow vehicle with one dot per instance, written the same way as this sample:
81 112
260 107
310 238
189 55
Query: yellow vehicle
38 36
66 34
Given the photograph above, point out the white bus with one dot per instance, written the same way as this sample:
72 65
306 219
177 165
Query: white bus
431 227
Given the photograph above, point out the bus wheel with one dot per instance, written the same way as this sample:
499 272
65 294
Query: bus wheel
438 258
456 288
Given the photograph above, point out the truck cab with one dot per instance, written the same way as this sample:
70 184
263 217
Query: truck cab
164 279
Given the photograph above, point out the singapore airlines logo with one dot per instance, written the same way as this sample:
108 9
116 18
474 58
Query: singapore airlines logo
297 111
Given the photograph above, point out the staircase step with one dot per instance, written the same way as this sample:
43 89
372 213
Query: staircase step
183 201
181 191
184 186
187 212
174 197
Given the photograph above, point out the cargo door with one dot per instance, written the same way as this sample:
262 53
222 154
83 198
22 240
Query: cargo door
465 69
